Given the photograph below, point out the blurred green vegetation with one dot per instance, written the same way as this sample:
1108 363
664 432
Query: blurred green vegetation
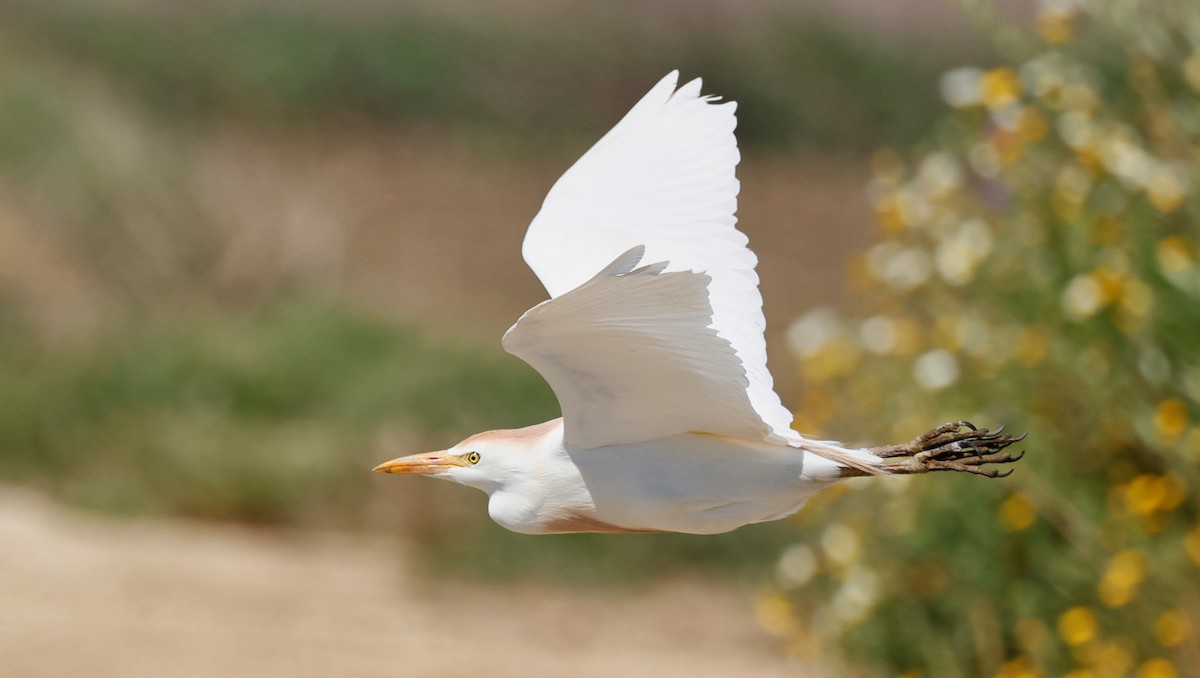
1038 265
799 80
262 416
274 417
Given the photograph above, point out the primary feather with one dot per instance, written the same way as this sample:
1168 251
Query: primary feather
663 179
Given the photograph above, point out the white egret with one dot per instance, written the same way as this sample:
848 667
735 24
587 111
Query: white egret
652 341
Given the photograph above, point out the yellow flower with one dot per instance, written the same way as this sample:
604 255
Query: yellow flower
1170 419
1171 628
1164 190
1157 668
1112 283
1032 125
1136 298
1122 578
1174 491
1174 255
1191 545
1018 512
1055 27
999 87
1077 626
1145 494
836 358
775 614
1021 667
888 216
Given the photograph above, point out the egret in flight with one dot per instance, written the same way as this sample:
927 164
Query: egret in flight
652 341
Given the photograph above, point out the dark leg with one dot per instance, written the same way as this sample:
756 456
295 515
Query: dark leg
953 446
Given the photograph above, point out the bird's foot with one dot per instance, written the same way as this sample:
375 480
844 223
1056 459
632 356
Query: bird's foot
953 446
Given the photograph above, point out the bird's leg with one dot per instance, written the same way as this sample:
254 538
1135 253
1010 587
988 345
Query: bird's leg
953 446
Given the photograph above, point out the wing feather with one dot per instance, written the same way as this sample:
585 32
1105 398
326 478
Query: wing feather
631 357
663 178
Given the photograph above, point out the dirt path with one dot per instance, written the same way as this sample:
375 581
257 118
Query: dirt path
82 595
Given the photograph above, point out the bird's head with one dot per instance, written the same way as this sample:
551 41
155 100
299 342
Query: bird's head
487 461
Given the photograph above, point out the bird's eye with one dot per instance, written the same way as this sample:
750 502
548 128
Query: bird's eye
473 458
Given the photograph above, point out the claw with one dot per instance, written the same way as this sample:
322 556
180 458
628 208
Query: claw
996 458
955 446
992 435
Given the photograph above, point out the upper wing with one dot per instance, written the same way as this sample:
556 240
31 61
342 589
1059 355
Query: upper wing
663 178
632 357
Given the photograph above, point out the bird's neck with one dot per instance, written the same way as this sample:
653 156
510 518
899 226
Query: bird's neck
549 487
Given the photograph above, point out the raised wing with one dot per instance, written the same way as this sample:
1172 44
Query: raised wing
632 357
663 178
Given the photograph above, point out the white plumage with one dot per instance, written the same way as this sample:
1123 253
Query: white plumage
663 178
653 344
632 356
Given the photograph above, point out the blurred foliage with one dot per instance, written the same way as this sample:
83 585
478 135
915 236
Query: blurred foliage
275 417
256 417
103 179
800 80
1039 265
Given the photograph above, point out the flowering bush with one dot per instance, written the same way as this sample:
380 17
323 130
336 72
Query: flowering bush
1039 265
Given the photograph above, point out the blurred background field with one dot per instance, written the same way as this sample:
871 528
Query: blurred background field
254 247
248 249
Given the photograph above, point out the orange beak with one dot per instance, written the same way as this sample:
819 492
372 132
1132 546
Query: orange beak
425 463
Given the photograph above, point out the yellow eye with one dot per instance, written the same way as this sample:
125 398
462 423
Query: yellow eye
473 458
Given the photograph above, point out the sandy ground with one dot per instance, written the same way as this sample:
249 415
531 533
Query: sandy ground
82 595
